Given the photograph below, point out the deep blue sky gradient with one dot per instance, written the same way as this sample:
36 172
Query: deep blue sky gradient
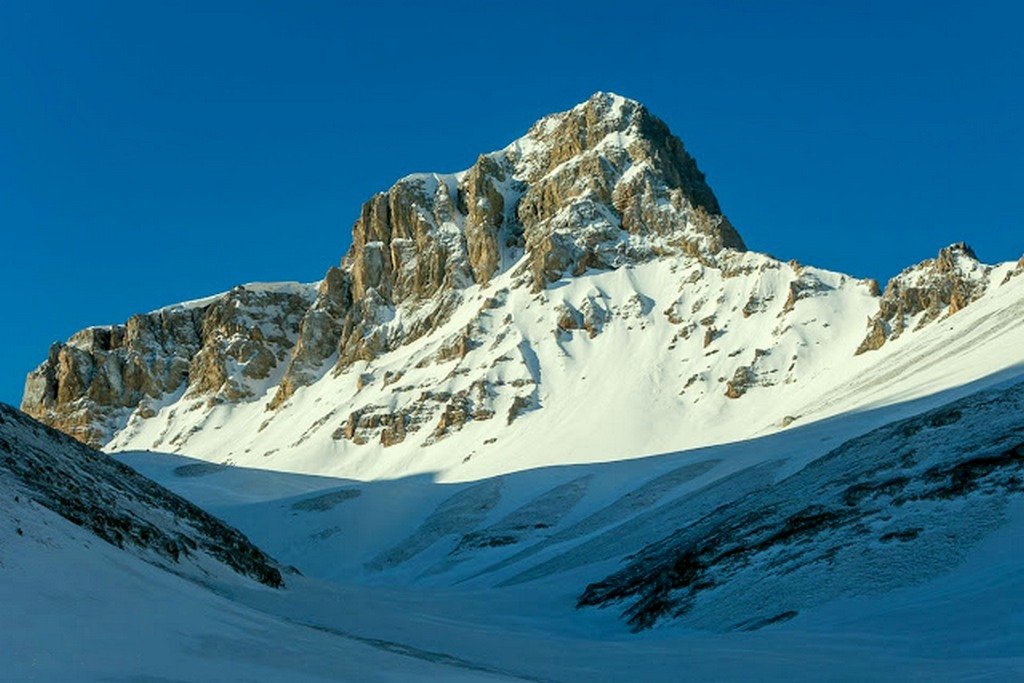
152 152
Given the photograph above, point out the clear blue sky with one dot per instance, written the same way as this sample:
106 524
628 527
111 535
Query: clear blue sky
152 152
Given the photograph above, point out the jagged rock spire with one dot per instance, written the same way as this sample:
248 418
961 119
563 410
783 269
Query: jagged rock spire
926 292
601 185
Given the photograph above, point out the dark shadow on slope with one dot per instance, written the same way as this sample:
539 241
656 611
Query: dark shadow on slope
119 505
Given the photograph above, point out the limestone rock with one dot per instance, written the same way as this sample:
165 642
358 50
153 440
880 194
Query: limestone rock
221 349
602 185
318 335
927 292
740 382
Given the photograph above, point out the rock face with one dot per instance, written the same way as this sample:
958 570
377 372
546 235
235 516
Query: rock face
926 292
222 349
602 185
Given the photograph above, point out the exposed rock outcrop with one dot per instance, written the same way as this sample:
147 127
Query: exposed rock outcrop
599 186
121 506
926 292
223 349
602 185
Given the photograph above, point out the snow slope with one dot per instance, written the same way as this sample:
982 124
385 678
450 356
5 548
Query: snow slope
673 338
486 570
78 607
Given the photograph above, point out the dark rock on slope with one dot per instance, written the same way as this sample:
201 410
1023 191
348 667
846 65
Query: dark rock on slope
120 505
898 505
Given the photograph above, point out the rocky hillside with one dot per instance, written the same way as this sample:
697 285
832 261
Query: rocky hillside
491 319
926 292
907 500
40 466
225 348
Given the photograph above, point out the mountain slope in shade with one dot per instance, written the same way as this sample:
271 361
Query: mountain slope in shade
105 575
120 506
899 505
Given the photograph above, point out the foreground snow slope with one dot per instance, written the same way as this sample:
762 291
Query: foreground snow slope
894 554
77 607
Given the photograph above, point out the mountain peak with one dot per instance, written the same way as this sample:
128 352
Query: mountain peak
950 257
599 185
602 185
934 288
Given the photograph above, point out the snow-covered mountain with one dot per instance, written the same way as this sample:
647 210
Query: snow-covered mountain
558 380
576 296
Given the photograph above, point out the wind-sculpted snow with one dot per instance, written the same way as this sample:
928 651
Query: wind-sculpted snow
633 502
620 539
894 507
525 522
326 501
458 515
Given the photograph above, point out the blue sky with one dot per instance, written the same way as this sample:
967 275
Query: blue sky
160 151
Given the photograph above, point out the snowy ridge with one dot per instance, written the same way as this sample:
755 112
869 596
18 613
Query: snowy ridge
120 506
296 288
714 357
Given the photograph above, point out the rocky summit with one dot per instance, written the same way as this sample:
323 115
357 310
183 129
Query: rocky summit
600 186
585 270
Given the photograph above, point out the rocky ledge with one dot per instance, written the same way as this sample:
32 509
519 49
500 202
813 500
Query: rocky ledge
931 290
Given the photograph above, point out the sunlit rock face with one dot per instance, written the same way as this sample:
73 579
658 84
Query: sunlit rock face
921 294
465 296
225 348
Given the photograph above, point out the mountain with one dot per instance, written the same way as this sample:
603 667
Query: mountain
557 382
494 319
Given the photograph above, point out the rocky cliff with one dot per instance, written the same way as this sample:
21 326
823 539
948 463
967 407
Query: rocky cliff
222 349
602 185
926 292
